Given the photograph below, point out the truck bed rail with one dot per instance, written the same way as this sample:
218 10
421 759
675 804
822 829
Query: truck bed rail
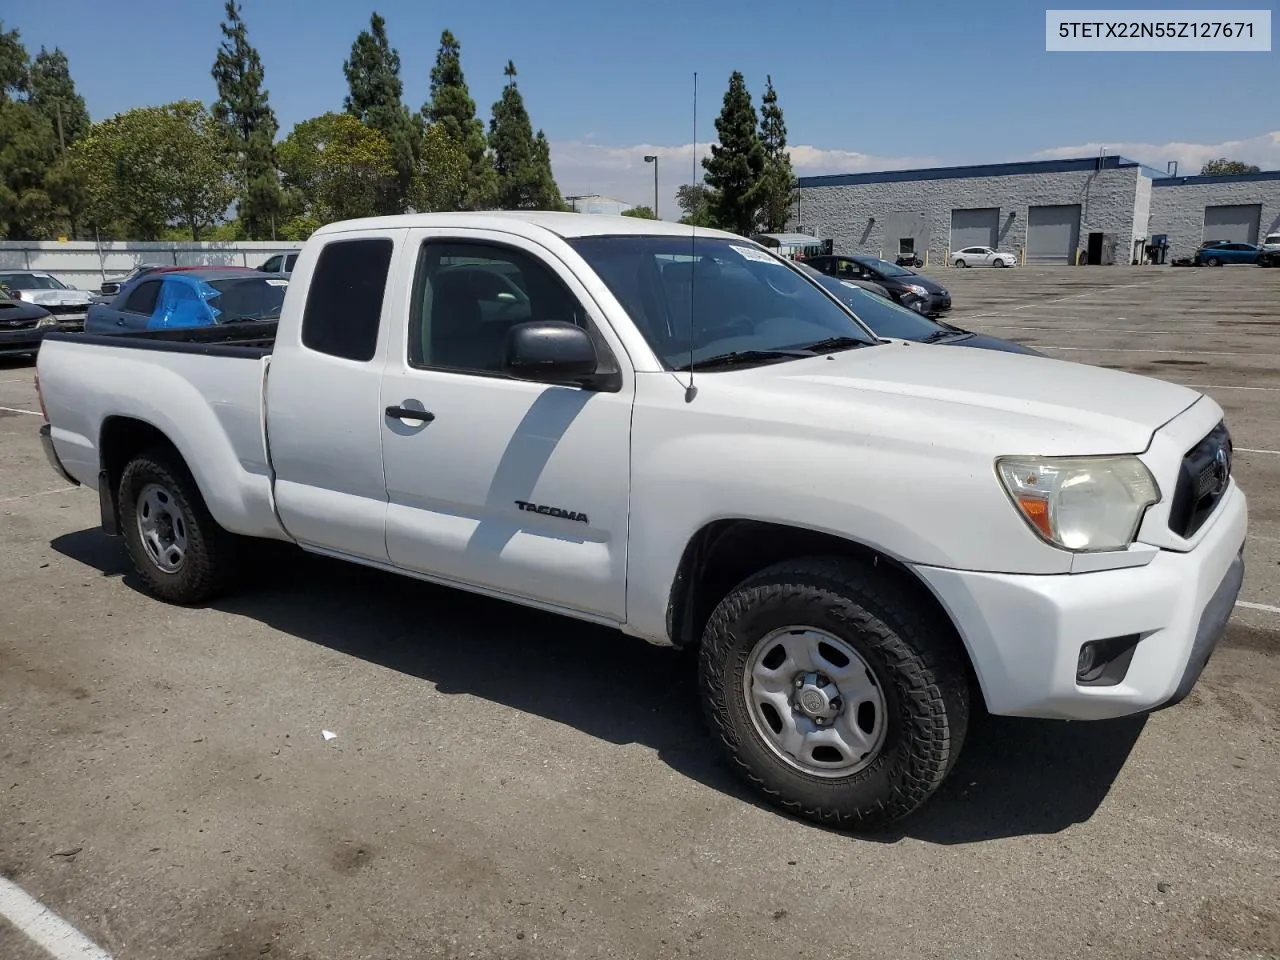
251 339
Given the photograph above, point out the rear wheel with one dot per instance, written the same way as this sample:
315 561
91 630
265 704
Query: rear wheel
176 546
835 695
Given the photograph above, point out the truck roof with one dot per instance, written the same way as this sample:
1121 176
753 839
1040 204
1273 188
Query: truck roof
528 222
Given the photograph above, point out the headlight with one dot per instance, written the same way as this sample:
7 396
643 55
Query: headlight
49 321
1080 503
918 290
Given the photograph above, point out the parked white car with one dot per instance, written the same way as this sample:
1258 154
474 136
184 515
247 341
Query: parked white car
67 304
685 437
1271 243
982 257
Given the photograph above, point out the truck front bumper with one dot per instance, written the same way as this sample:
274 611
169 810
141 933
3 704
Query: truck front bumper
1025 633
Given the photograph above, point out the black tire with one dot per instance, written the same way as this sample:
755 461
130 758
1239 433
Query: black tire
915 661
961 263
1214 262
210 555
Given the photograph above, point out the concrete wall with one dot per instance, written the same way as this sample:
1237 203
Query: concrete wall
1141 219
85 264
1177 206
845 212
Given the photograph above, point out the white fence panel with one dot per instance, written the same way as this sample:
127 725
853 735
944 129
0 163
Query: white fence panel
85 264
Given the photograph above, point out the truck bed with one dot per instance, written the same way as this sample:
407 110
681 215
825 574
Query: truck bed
202 389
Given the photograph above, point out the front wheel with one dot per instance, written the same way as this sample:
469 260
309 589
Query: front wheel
961 263
834 694
178 549
1214 262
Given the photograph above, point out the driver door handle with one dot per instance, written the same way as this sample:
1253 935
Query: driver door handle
406 413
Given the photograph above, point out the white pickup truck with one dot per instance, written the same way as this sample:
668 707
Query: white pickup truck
680 435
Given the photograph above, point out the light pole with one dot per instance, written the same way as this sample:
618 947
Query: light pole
654 160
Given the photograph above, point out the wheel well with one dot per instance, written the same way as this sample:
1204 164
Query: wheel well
724 553
122 439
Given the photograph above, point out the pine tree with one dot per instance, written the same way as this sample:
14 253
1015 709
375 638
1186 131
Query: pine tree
53 94
777 183
453 109
523 161
249 124
736 163
374 98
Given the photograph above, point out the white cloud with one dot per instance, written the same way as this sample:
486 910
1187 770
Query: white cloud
620 171
1262 150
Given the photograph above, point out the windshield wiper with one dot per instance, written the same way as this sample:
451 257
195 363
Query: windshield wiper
946 335
835 343
736 357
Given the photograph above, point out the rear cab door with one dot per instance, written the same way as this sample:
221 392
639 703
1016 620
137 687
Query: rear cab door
324 385
514 487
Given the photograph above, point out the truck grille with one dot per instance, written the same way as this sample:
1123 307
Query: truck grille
1203 479
58 309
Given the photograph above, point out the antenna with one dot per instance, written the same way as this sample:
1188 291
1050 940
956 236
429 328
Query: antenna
691 391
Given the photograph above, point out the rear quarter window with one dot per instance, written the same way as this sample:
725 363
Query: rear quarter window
344 298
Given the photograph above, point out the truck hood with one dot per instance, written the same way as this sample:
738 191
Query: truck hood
1006 402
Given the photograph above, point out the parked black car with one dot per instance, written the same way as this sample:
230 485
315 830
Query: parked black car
889 319
907 287
22 326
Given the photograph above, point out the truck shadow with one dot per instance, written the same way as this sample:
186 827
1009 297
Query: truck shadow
1015 777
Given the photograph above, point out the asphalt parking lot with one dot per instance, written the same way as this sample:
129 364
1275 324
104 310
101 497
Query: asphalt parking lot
508 784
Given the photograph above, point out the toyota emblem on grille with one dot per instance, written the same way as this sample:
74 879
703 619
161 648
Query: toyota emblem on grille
1221 470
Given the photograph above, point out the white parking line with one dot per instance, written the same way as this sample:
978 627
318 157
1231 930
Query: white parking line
1257 606
1228 386
34 413
17 380
1274 453
58 938
1070 296
38 493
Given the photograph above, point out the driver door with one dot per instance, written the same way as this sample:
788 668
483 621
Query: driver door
510 485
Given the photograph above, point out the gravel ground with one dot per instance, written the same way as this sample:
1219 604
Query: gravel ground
509 784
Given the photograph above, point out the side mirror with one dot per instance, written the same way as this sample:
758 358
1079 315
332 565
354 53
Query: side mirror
551 351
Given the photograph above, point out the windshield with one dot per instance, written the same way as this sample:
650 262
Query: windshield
30 281
885 317
885 268
714 294
247 298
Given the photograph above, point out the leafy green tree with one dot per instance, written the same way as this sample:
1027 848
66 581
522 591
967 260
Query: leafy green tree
374 98
249 124
14 64
440 179
778 181
1223 167
28 149
336 168
53 96
523 162
734 168
642 212
151 167
453 109
694 201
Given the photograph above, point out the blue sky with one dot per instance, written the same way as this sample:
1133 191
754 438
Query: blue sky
863 85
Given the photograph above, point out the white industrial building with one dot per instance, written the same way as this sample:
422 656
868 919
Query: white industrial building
1103 209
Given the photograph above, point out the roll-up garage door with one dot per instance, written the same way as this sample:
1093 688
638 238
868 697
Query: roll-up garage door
975 227
1237 223
1053 233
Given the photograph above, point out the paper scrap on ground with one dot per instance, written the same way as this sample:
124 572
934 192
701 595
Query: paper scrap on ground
328 734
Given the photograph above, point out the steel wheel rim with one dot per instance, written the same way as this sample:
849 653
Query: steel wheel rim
162 527
815 702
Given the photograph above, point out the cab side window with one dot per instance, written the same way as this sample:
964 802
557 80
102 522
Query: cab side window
469 295
344 301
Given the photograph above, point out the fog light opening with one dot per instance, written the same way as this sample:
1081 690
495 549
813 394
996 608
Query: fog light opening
1104 663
